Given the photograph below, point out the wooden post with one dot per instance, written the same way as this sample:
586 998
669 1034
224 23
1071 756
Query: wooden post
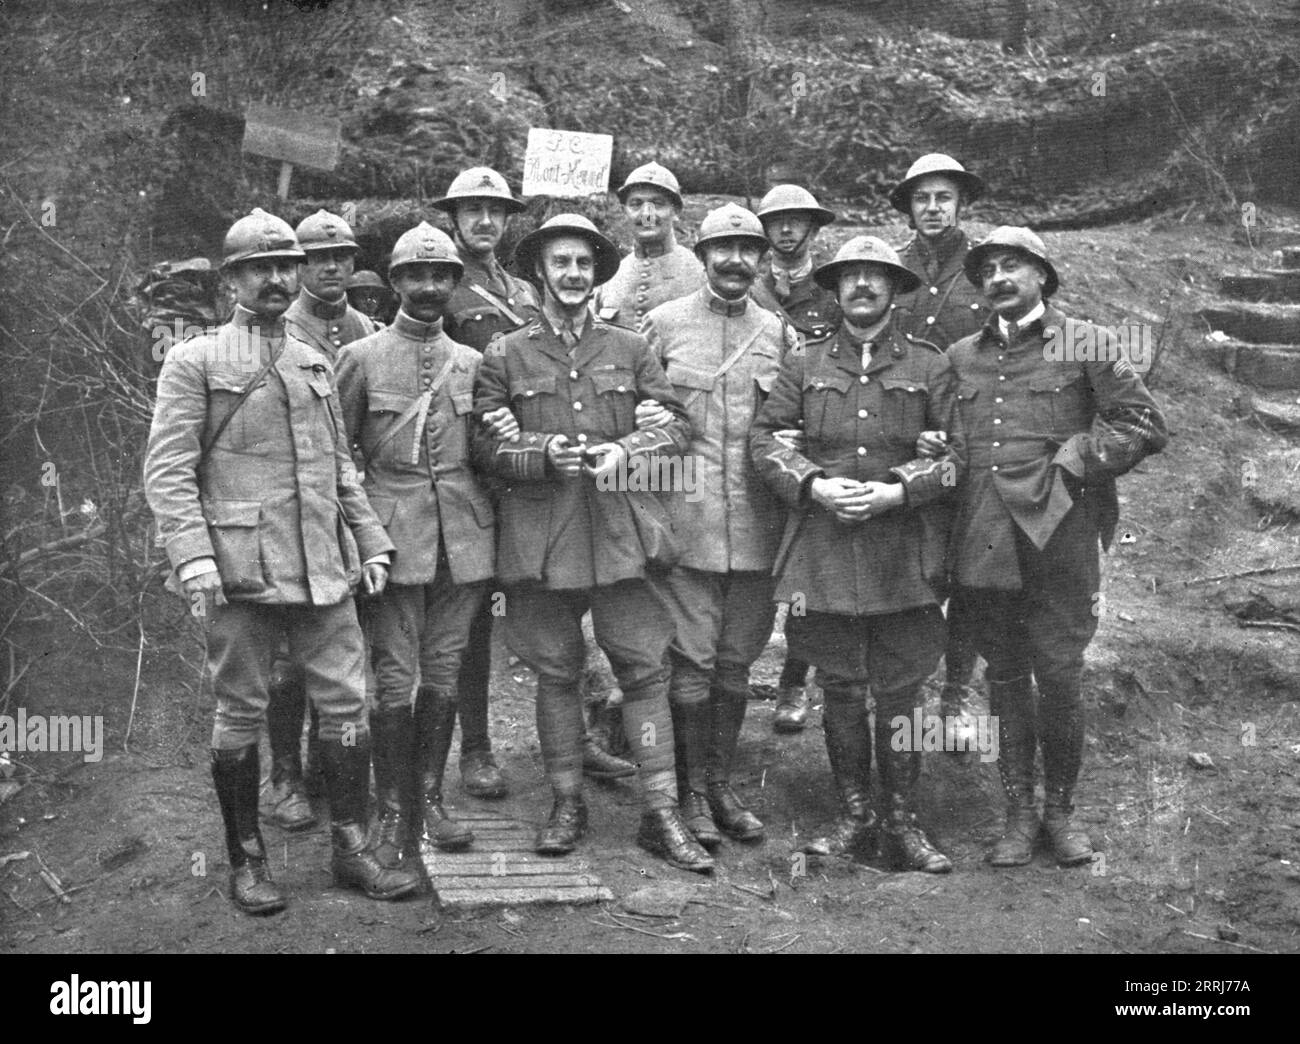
286 172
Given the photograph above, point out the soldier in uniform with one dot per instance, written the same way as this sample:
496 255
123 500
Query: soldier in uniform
248 474
721 353
659 269
943 309
487 301
321 317
791 218
407 395
1047 435
863 549
370 296
574 533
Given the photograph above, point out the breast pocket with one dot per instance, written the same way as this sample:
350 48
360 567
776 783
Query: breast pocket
616 395
826 404
225 391
905 400
384 446
692 387
533 397
1058 403
462 408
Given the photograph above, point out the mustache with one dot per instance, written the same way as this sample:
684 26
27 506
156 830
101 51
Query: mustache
735 268
272 291
426 298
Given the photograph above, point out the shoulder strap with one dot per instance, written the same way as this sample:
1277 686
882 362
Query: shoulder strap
496 303
419 407
206 447
721 371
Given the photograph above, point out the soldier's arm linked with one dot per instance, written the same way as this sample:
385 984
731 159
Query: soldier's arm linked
668 439
928 478
783 467
520 460
351 381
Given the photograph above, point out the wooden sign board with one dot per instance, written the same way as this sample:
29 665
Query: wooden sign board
566 163
296 139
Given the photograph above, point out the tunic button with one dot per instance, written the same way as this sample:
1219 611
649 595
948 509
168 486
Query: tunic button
997 420
862 413
530 393
582 436
428 364
428 349
862 451
1001 377
934 289
997 401
573 375
478 317
622 388
975 307
577 406
994 468
864 378
929 319
996 445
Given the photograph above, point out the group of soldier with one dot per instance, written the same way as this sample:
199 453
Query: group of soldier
871 439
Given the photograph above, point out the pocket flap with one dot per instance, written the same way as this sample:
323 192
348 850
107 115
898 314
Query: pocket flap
967 391
534 384
221 380
613 381
689 378
906 384
388 401
233 513
840 382
766 381
462 403
1052 382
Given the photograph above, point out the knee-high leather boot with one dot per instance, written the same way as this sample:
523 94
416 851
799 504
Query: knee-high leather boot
848 748
1011 702
435 718
235 775
729 698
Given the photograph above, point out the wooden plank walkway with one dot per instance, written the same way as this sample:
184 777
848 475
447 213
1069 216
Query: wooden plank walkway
501 869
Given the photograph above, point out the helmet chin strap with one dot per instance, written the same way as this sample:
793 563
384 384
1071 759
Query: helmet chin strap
554 295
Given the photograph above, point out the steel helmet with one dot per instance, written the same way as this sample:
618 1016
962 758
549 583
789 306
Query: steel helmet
1012 237
530 247
730 221
259 234
425 244
324 231
861 249
972 186
656 176
478 183
366 280
783 199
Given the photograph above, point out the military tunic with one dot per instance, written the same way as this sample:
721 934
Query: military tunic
487 301
563 545
811 309
646 280
327 325
947 306
728 523
420 483
277 505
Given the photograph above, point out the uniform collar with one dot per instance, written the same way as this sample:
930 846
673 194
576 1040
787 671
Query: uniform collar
795 275
723 306
415 329
246 317
557 322
850 351
321 308
489 271
941 250
1034 314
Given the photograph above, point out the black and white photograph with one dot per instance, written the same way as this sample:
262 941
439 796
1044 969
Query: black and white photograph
651 476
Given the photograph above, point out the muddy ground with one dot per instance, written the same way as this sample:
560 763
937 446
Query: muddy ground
1196 860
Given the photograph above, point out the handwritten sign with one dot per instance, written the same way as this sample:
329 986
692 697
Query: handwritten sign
566 163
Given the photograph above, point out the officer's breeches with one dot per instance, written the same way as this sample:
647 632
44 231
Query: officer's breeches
719 619
420 631
325 641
